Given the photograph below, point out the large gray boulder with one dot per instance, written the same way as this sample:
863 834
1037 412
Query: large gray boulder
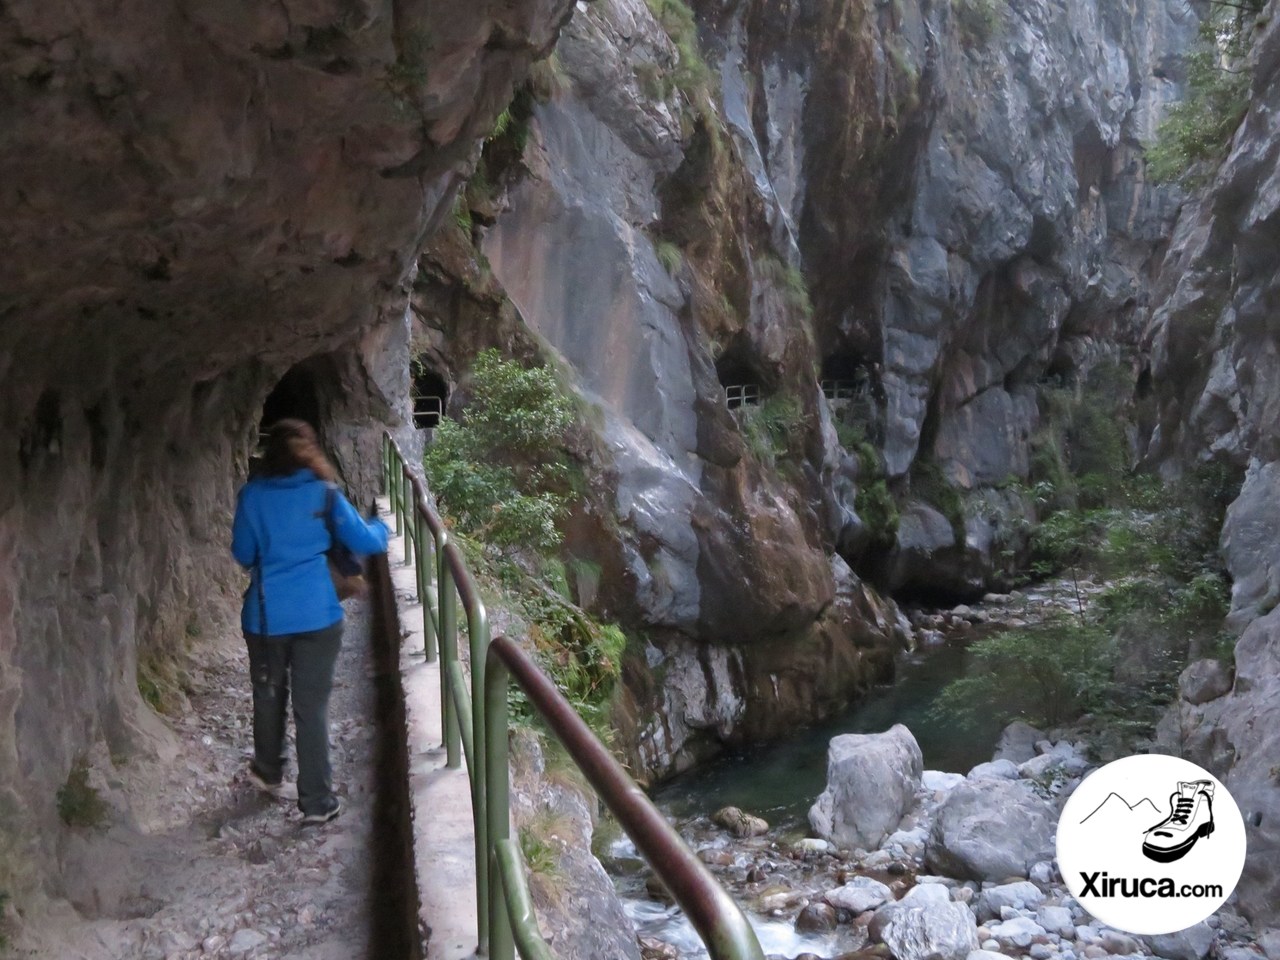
991 830
1017 742
926 925
1203 681
1192 943
872 779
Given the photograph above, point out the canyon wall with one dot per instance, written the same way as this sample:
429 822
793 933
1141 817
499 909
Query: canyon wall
196 198
939 205
1216 381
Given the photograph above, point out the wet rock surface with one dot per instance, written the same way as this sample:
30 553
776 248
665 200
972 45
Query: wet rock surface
196 862
893 901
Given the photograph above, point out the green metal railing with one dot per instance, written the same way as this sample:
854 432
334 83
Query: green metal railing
475 724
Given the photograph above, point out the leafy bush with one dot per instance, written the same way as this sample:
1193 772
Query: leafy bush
691 74
669 255
1046 675
929 484
503 474
1193 137
772 428
78 802
979 19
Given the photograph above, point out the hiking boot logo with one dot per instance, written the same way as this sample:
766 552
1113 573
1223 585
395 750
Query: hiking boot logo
1190 818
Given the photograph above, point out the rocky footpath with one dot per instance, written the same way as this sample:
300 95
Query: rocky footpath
191 861
967 873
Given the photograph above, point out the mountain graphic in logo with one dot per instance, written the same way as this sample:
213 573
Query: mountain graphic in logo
1116 810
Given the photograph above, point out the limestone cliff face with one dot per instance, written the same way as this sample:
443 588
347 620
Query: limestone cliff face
962 196
1216 384
195 197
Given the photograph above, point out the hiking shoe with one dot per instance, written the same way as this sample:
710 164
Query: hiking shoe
326 815
1190 818
262 783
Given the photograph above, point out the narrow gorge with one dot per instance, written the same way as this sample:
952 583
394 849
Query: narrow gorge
860 321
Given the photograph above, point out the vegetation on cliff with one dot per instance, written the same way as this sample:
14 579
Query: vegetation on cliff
1194 136
505 478
1155 545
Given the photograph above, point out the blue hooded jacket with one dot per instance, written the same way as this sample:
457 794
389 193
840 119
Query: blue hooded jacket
279 535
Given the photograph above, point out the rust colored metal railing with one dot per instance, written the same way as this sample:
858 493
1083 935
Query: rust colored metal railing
475 726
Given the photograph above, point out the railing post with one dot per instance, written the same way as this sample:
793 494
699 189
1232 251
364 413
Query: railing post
410 510
447 598
425 559
498 814
397 497
478 635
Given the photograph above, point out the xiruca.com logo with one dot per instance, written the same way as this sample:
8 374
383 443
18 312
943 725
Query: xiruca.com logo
1151 844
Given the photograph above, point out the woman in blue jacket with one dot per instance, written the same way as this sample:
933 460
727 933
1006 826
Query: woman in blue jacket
291 617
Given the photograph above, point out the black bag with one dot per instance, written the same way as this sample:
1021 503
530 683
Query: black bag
345 567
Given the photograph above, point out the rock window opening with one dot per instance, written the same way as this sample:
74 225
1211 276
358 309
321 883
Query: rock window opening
430 395
741 383
846 377
852 389
297 396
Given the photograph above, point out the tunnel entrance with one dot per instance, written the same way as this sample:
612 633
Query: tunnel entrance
846 376
430 395
303 393
852 389
739 379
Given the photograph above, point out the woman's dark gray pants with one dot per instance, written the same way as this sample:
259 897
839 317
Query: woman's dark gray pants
304 662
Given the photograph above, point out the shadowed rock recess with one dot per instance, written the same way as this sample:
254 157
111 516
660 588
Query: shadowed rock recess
195 198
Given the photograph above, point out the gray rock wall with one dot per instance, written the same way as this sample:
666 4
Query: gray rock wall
196 197
1216 384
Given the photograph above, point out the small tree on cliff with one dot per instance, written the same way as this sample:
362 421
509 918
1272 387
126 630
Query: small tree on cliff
502 473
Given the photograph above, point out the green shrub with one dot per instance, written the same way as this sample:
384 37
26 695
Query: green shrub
503 474
929 483
1194 135
878 510
979 19
691 74
1046 675
78 802
790 280
670 256
772 429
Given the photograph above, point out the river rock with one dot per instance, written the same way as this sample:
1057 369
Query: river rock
937 780
1021 896
1018 931
651 948
872 781
923 927
1192 943
1017 742
990 830
1203 681
1053 763
817 917
994 769
740 823
1057 920
811 845
859 895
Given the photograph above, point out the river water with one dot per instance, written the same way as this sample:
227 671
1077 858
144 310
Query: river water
780 781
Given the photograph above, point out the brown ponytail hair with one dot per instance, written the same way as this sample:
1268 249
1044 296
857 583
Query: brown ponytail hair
292 445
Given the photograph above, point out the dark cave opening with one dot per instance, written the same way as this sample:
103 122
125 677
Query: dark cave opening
430 393
739 377
302 394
